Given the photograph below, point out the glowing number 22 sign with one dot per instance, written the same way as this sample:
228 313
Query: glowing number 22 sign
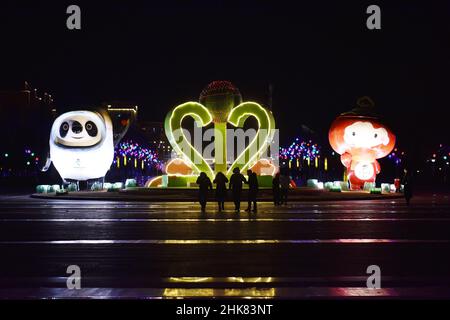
236 117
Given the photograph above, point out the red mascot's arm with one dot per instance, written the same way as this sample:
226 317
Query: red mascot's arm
346 159
377 167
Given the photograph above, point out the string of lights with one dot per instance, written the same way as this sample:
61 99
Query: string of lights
300 149
132 151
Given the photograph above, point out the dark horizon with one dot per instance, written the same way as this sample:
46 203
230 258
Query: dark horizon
319 57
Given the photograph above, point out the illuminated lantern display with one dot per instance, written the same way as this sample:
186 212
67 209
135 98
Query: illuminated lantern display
178 167
264 167
220 104
82 145
360 138
220 97
139 154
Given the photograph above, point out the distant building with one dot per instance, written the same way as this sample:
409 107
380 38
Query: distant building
156 137
123 115
27 116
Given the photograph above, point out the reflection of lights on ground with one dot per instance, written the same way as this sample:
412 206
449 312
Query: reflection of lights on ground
183 292
189 279
254 279
251 292
362 292
208 292
219 279
215 242
245 293
219 220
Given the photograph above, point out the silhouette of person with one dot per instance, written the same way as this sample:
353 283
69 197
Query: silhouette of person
407 186
221 189
276 189
204 184
252 190
285 181
236 181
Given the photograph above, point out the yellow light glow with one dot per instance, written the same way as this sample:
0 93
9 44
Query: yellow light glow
250 292
236 117
172 173
182 292
198 119
134 110
325 164
189 279
264 162
250 279
208 292
239 122
154 182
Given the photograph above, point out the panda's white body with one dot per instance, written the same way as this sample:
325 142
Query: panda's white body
78 155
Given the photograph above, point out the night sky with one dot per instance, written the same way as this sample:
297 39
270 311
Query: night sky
320 57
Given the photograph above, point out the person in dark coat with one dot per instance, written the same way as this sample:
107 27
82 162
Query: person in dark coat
221 189
204 185
252 190
236 181
276 189
407 186
285 182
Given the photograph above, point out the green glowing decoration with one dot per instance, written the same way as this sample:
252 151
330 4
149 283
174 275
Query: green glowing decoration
172 126
220 104
263 137
220 97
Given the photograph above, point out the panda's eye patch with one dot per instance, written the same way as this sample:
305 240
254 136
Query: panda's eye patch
91 128
63 129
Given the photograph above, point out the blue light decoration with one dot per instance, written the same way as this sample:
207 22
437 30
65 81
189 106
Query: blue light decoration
300 149
131 153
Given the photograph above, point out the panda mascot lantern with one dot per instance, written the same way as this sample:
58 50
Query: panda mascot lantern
82 145
361 138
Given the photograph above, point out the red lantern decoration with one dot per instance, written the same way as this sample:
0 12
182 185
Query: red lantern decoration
360 138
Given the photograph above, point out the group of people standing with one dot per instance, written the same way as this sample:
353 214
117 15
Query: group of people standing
280 186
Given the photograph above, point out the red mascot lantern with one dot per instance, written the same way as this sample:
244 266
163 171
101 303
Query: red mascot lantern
360 138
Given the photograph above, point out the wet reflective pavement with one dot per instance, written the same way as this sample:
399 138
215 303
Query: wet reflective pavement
154 250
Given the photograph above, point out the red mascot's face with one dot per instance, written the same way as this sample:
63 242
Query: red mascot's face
364 138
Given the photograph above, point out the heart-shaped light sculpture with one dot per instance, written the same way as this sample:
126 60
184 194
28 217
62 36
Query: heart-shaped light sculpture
262 139
182 145
220 103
